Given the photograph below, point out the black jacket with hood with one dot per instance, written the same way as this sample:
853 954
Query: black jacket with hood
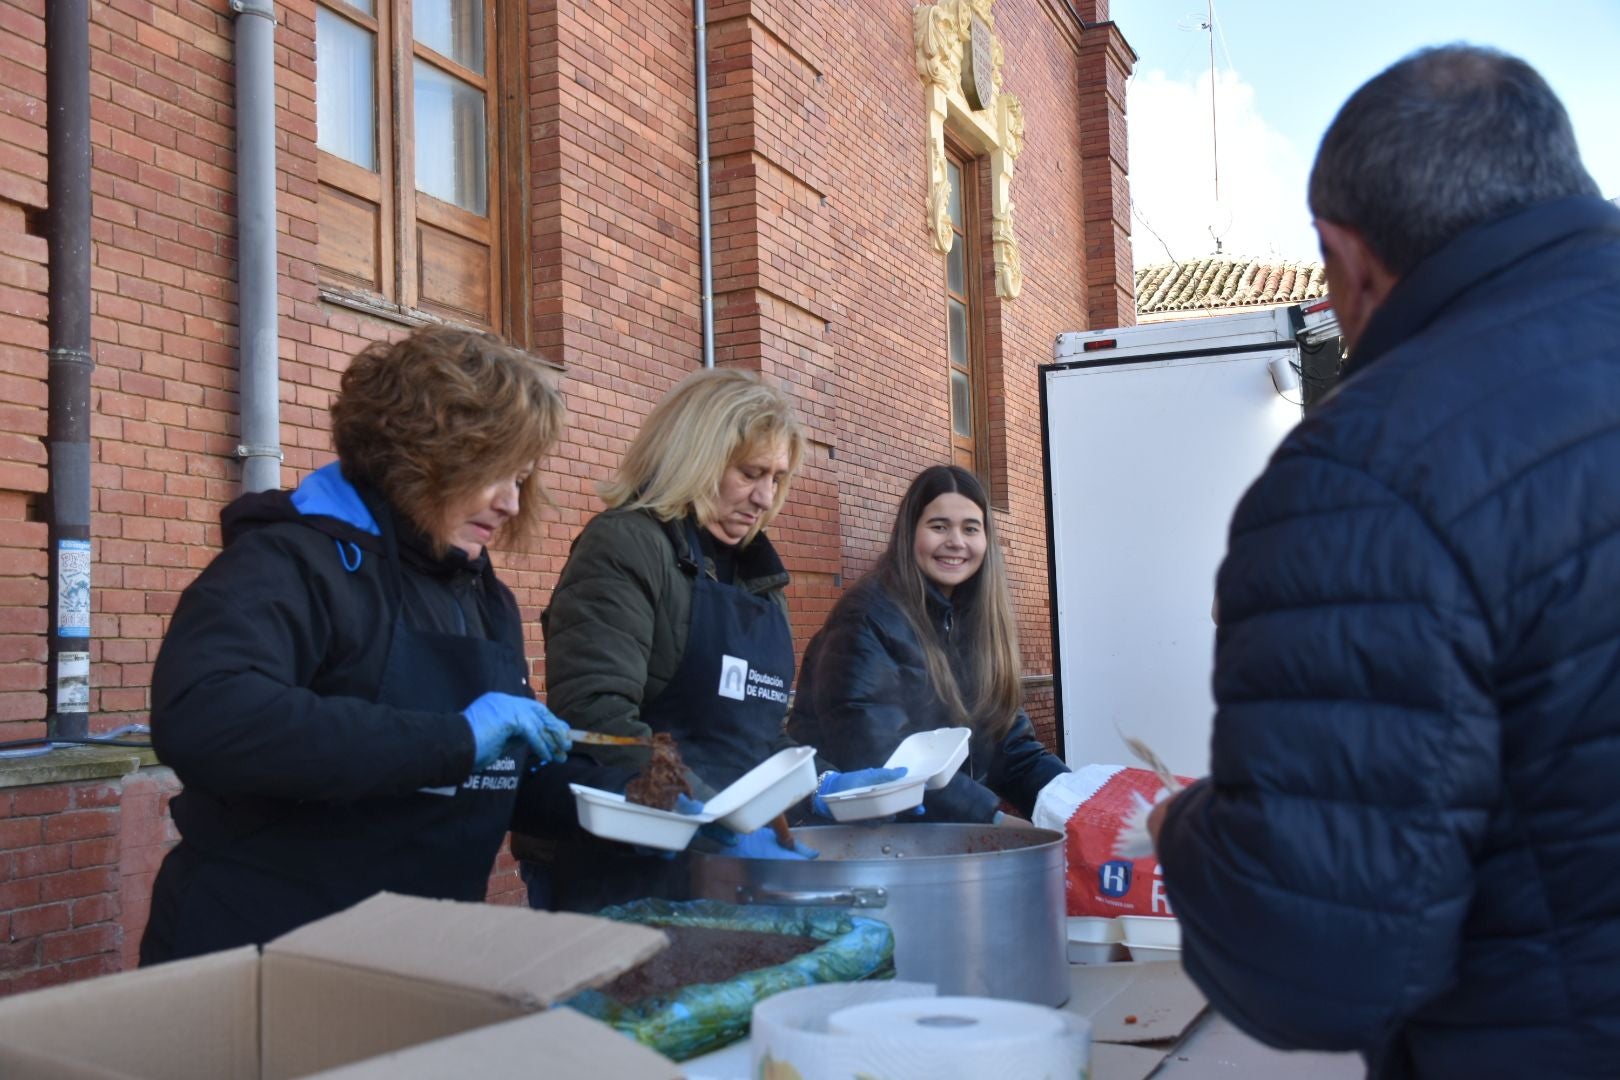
864 687
265 703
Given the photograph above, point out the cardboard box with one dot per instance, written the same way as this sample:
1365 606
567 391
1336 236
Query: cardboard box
395 986
1137 1013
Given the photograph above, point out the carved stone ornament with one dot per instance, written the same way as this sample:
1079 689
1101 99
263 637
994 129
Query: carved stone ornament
942 32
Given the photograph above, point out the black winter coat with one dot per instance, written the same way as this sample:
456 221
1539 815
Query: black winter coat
864 687
1409 844
263 687
265 703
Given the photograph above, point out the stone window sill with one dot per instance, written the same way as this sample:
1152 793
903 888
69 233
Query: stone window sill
68 764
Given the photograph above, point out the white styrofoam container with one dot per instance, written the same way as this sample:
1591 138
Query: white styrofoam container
613 817
1156 930
1150 937
766 790
1094 939
934 755
876 800
1152 953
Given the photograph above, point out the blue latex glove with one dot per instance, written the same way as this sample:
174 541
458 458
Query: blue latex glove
848 781
761 844
684 804
496 719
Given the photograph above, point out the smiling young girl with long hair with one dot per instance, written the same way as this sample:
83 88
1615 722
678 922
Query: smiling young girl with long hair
928 640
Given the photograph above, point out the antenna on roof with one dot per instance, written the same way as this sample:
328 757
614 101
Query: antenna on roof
1214 144
1206 23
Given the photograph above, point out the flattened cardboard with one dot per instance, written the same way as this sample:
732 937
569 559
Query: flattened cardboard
558 1045
19 1064
1116 1061
193 1019
1134 1003
1219 1048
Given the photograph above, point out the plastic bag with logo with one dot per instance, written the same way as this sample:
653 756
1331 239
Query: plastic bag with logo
1089 807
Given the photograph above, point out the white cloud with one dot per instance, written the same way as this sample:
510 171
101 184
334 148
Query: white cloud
1262 174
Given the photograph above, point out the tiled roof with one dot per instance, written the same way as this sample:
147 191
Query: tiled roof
1217 281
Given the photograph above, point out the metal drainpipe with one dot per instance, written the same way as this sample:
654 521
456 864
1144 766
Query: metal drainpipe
67 80
259 360
700 19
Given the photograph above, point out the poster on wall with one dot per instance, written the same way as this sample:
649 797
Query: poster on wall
73 588
73 682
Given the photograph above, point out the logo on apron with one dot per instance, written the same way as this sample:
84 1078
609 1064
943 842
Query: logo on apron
739 682
733 678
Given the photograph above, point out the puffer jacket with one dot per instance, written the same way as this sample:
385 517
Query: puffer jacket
263 690
1409 843
864 687
617 625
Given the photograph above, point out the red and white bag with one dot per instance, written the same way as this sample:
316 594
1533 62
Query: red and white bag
1090 806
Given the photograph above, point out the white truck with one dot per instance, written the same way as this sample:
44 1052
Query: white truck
1151 435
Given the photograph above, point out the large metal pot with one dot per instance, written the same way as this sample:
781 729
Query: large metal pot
975 909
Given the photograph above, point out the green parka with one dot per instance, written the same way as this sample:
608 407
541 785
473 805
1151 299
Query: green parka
617 626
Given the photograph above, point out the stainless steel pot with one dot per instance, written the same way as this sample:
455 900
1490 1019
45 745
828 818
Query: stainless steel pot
975 910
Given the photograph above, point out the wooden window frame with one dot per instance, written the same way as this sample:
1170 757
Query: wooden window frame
975 447
403 213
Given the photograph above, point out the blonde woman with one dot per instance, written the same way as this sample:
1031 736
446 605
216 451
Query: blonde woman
344 690
928 640
670 616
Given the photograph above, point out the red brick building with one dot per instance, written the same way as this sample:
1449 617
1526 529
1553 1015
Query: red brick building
530 166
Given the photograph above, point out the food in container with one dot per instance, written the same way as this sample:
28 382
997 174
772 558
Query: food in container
613 817
664 778
759 795
933 883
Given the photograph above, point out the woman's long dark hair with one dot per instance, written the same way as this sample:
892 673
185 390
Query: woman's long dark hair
983 606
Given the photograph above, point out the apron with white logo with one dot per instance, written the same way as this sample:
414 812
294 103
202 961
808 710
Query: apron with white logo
725 707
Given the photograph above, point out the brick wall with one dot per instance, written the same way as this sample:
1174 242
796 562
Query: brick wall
59 884
825 281
23 341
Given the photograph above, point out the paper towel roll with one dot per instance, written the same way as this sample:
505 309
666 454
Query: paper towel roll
899 1031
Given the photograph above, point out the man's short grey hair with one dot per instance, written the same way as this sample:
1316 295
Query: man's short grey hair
1446 139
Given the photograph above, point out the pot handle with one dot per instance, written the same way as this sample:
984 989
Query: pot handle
854 897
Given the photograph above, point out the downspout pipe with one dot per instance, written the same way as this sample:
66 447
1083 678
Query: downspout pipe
67 192
700 20
259 395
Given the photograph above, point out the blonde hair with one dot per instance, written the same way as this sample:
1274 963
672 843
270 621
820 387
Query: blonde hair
983 605
442 413
710 420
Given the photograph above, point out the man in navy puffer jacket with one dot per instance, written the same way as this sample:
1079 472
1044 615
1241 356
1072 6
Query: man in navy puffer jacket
1409 844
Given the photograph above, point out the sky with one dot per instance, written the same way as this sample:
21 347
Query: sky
1282 71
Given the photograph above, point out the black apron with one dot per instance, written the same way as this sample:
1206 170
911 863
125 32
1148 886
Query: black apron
305 861
725 707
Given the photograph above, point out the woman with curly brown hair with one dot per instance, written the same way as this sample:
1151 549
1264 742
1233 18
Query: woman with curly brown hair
343 691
